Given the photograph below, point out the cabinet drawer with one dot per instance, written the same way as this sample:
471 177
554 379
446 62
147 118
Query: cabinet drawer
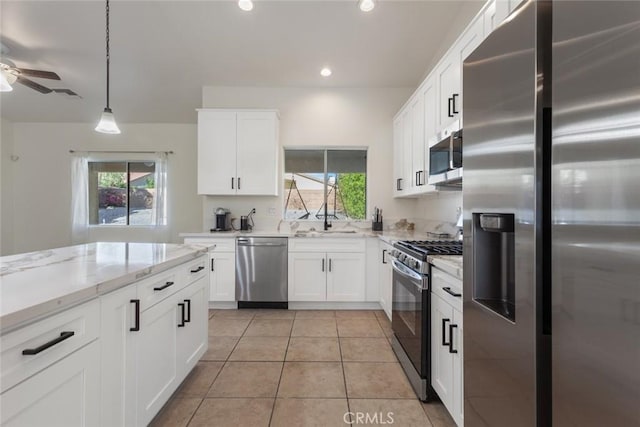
325 244
195 270
45 338
225 244
446 287
155 289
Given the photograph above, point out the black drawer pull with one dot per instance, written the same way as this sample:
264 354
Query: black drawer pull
213 264
451 350
384 260
232 183
181 324
322 264
163 287
450 292
238 183
198 269
137 316
444 332
63 336
188 317
449 102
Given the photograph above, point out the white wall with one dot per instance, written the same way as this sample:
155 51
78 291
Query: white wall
6 188
348 117
42 178
441 207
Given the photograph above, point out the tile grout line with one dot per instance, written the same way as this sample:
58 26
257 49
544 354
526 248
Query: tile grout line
275 399
344 375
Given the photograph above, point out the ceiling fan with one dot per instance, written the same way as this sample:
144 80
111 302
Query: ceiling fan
11 74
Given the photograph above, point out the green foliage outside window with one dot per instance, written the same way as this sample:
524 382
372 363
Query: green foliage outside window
112 179
354 193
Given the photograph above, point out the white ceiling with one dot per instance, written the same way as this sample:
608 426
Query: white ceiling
163 52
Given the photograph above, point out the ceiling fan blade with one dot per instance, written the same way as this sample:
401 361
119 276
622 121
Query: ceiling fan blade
33 85
66 92
39 74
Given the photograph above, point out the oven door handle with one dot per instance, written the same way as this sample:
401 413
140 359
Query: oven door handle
406 272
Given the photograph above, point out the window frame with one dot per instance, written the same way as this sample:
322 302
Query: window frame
125 158
325 150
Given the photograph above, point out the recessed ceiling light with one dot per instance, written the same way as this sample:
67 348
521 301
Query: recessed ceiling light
325 72
366 5
245 5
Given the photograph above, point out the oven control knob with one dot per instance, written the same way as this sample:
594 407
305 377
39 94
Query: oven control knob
416 264
402 257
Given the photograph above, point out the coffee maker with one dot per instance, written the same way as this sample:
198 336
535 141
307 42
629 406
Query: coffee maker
223 220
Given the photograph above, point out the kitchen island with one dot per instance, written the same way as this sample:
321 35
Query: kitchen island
103 332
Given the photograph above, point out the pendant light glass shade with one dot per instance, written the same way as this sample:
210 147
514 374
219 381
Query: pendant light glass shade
366 5
5 86
107 123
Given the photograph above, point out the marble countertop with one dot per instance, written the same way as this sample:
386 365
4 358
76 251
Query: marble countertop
37 284
451 264
388 236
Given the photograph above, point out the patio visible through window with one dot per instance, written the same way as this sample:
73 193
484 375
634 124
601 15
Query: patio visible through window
121 193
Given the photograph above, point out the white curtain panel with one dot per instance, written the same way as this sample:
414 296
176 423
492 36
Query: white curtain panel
159 214
79 198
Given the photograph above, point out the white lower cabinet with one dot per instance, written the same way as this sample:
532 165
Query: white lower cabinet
327 276
146 353
65 394
447 356
222 276
385 274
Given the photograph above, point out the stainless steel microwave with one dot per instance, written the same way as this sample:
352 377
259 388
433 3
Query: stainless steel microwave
445 158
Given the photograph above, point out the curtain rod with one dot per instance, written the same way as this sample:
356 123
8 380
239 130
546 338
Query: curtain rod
115 151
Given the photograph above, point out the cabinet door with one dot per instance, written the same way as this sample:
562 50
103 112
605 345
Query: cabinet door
156 358
345 276
117 347
307 276
385 276
216 152
407 145
441 360
417 143
457 407
66 394
257 161
471 39
192 337
429 94
398 159
222 277
447 72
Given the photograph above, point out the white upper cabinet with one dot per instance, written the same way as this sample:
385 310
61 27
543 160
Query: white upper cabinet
417 143
448 76
238 152
398 157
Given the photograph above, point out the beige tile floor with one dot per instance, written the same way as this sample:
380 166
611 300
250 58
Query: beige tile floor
298 368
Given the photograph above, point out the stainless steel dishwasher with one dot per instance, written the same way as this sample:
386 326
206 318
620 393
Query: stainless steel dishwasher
261 272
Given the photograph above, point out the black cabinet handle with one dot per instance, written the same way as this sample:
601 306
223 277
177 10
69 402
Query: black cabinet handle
198 269
163 287
329 265
444 332
238 183
63 336
384 252
136 302
449 101
450 292
451 350
181 324
213 264
323 264
188 316
232 179
453 101
399 184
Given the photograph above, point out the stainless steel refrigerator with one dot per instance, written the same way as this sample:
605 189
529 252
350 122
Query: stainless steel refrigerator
552 218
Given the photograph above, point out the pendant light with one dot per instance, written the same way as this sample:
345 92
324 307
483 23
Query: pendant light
107 122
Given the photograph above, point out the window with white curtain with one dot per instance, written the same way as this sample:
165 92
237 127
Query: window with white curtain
118 189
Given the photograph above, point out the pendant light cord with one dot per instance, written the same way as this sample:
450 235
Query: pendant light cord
108 56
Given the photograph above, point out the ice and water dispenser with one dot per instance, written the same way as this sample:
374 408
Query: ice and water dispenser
494 263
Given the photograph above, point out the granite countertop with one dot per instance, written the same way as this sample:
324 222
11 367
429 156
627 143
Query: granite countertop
451 264
37 284
388 236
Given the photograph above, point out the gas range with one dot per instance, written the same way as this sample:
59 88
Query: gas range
413 253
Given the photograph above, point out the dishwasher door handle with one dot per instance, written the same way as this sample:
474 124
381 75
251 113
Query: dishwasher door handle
251 245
